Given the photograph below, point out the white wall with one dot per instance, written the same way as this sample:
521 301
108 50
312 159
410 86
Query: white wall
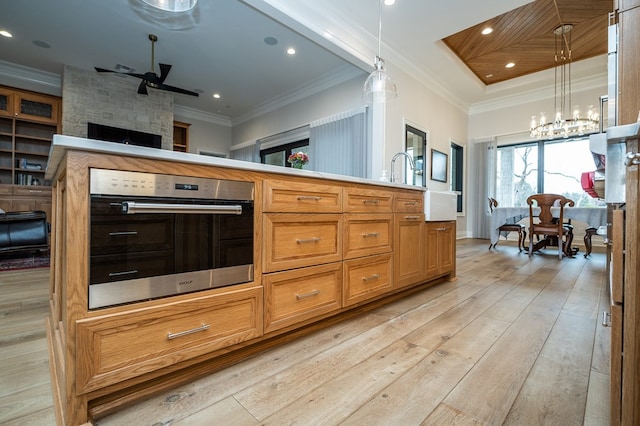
206 135
342 97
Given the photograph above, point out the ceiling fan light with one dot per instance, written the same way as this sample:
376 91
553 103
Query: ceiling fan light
379 87
172 5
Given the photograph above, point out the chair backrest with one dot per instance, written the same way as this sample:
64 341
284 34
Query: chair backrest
493 203
545 202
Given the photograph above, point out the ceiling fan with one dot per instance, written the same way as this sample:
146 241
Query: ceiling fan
151 79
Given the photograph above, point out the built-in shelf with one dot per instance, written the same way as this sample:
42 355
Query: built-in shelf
181 136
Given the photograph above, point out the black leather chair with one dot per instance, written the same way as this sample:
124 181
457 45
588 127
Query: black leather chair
22 231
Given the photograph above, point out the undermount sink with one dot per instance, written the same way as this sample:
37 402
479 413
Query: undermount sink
440 205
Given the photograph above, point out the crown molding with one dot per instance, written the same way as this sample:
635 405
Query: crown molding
541 93
197 114
31 78
331 79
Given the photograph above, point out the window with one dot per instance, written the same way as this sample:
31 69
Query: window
562 163
277 155
415 146
457 168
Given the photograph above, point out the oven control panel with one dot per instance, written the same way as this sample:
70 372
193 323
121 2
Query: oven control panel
118 182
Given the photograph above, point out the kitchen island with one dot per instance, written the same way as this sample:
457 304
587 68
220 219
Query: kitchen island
374 247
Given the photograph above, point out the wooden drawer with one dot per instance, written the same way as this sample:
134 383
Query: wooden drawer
367 200
405 202
145 232
6 189
129 266
293 240
367 234
367 277
114 348
32 191
301 294
285 196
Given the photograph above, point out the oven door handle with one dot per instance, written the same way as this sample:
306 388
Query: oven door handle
133 207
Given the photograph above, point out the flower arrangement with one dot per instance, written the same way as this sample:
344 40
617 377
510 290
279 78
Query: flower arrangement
298 159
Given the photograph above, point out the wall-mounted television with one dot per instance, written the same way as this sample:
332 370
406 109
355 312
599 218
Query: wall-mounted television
125 136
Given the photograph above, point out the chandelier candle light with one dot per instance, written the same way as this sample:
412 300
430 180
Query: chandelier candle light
563 124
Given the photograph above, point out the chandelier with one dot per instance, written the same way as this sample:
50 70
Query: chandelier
568 120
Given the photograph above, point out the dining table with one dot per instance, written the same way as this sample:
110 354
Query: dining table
595 217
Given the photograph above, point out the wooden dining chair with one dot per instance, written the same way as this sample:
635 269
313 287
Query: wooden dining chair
545 225
520 228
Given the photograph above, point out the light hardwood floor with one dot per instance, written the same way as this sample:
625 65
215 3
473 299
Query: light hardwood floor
515 340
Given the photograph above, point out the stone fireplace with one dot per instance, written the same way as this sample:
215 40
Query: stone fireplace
112 100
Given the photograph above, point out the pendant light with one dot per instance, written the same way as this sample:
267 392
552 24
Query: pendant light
567 120
172 5
379 87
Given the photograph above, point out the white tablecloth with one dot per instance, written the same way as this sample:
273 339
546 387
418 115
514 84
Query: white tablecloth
593 216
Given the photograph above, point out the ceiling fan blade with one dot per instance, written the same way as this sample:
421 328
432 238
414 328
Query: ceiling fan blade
164 71
176 90
118 72
142 88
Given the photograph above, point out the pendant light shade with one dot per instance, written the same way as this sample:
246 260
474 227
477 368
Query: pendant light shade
379 87
172 5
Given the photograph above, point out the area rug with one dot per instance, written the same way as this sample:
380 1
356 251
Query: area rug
10 262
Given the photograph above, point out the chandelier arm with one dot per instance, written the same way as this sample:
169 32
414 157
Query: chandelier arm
566 122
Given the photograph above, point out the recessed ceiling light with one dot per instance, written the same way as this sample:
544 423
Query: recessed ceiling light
172 5
6 33
41 43
487 30
216 96
271 41
510 65
389 2
291 51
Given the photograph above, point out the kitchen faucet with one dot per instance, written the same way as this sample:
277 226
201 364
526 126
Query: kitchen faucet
393 162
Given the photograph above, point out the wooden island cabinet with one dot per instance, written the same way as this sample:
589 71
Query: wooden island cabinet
323 246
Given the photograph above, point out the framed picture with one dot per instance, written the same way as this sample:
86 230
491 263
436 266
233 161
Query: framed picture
439 163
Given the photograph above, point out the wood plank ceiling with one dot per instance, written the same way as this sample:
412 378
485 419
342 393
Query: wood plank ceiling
525 37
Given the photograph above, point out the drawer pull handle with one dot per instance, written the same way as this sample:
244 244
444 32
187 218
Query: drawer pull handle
371 234
412 217
203 327
308 240
121 233
441 229
308 197
307 295
118 274
410 203
371 278
374 201
133 207
35 191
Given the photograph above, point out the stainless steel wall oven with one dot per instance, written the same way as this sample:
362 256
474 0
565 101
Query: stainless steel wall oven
156 235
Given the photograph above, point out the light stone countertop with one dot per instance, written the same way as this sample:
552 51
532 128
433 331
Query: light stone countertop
62 143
